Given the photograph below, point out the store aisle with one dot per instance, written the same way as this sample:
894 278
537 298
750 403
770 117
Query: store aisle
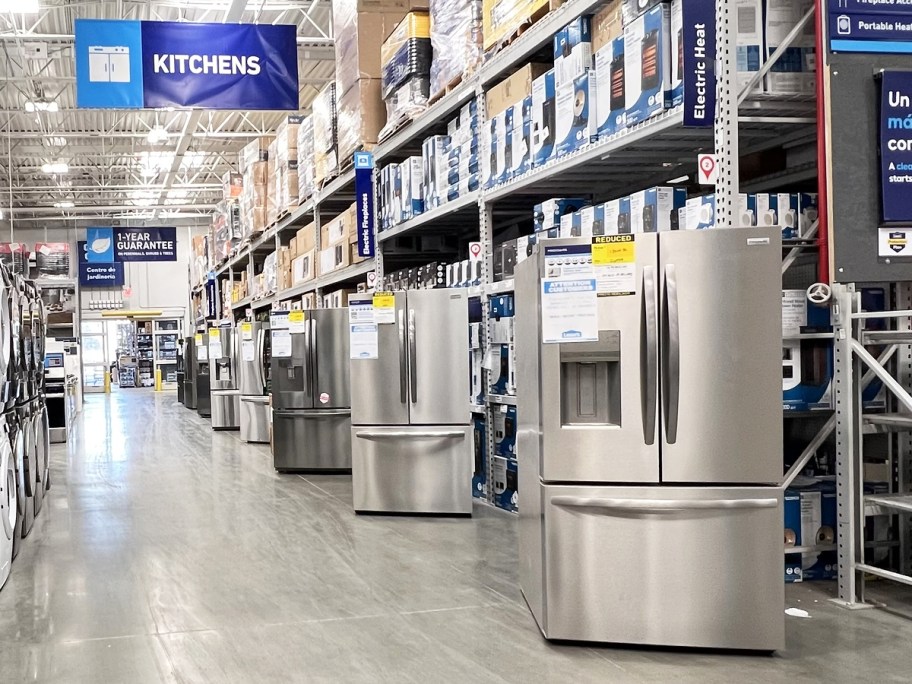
174 554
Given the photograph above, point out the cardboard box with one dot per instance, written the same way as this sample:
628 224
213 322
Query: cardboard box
303 267
607 24
306 238
647 64
361 116
309 301
514 89
232 185
335 257
502 18
617 217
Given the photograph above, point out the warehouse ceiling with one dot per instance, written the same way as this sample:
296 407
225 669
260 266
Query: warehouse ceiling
134 165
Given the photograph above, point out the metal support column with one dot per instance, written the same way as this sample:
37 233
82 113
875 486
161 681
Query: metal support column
726 123
849 486
903 452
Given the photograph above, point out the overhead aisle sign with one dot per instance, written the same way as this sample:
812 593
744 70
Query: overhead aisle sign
151 64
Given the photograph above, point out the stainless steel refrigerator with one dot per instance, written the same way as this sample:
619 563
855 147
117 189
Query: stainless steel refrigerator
412 446
203 388
649 460
311 405
253 380
190 371
223 390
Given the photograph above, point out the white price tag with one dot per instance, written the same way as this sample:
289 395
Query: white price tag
363 341
281 344
248 350
297 323
794 311
569 310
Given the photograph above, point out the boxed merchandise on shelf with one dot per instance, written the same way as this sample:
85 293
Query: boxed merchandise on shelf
304 267
480 469
544 118
52 259
794 71
401 192
199 259
15 255
505 483
286 164
456 38
434 153
405 61
326 160
505 431
503 19
607 24
338 243
232 185
338 299
502 376
361 116
254 200
647 59
307 184
270 273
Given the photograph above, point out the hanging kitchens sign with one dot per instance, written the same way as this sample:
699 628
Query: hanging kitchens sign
109 245
151 64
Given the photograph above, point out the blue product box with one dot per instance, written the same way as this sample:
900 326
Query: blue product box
818 522
592 220
617 220
647 64
547 215
505 483
544 118
412 188
576 120
520 155
489 171
505 431
676 24
610 98
480 471
792 510
656 209
571 225
435 151
572 50
504 137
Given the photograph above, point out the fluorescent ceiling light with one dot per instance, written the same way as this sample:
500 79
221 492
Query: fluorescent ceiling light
55 167
40 105
56 140
66 204
157 135
19 6
679 179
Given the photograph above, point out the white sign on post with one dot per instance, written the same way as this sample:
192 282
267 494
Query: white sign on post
707 169
569 310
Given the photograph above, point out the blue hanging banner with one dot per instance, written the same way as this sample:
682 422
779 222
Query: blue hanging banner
875 26
364 202
136 64
145 244
97 274
896 146
699 45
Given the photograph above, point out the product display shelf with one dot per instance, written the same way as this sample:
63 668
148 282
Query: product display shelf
459 213
340 277
505 399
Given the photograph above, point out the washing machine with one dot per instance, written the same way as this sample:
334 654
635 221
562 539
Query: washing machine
8 505
25 461
17 449
43 438
37 449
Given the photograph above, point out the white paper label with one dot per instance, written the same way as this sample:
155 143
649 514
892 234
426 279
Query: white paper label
202 353
363 341
278 320
246 331
281 344
894 242
572 261
215 348
569 310
794 311
297 323
248 350
360 310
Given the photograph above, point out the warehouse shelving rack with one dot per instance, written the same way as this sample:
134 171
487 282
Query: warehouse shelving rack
651 153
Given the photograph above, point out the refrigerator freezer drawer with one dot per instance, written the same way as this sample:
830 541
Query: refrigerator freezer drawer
413 469
255 419
691 567
226 409
311 440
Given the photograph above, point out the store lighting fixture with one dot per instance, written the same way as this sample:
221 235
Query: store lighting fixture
55 167
56 140
19 6
41 105
157 135
679 179
65 204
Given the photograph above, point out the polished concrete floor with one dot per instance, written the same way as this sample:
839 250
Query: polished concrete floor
169 553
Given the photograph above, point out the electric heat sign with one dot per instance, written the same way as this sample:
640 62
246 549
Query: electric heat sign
137 64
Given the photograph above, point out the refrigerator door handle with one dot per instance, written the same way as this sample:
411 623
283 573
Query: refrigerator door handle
397 434
403 360
310 354
261 357
663 505
671 389
413 355
650 350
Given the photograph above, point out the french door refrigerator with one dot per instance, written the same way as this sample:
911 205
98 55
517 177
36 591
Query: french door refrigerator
649 460
223 390
203 385
253 381
311 405
412 446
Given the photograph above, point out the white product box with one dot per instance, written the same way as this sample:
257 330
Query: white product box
677 52
576 121
592 221
700 213
544 118
793 72
750 49
412 187
617 217
747 210
656 209
572 50
647 64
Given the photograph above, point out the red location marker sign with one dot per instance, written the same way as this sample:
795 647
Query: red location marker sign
709 169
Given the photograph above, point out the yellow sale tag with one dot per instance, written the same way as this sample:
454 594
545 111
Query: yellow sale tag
214 333
295 316
246 327
199 339
384 300
613 249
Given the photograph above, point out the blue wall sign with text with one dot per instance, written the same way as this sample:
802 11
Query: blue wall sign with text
145 244
876 26
136 64
99 246
101 275
364 202
699 44
896 145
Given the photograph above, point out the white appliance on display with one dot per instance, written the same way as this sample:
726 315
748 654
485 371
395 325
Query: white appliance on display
650 457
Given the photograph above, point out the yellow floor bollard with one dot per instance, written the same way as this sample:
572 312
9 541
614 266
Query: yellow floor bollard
158 380
107 382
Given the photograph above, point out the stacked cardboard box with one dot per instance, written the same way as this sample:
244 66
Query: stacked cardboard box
501 19
338 242
199 266
326 150
302 254
405 59
283 277
232 185
254 166
337 299
286 164
456 41
306 173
